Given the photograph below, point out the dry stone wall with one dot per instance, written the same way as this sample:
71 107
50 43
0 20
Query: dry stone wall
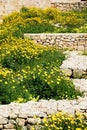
14 114
67 6
75 41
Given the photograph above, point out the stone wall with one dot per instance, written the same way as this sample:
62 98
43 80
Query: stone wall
75 41
14 114
67 6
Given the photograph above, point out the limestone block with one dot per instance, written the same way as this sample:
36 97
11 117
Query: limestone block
34 121
9 126
65 106
75 43
12 122
46 43
3 120
73 39
57 40
42 36
4 111
32 113
85 35
67 40
52 42
83 106
82 43
54 37
36 37
13 115
22 115
51 110
1 126
42 115
47 40
61 43
20 122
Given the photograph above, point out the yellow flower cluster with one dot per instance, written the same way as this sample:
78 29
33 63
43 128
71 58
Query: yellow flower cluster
29 70
32 71
63 121
36 20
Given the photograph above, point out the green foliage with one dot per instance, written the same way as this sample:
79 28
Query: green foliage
32 71
84 52
52 14
36 20
31 12
38 25
63 121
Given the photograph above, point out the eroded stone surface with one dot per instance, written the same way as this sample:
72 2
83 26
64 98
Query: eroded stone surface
9 126
3 120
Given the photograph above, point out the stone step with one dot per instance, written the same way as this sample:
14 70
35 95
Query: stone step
75 65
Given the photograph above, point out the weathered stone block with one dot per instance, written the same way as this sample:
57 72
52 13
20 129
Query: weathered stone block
34 121
12 122
20 122
1 127
3 120
81 48
9 126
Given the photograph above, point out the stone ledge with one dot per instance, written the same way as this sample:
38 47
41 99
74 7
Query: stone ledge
71 41
25 112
